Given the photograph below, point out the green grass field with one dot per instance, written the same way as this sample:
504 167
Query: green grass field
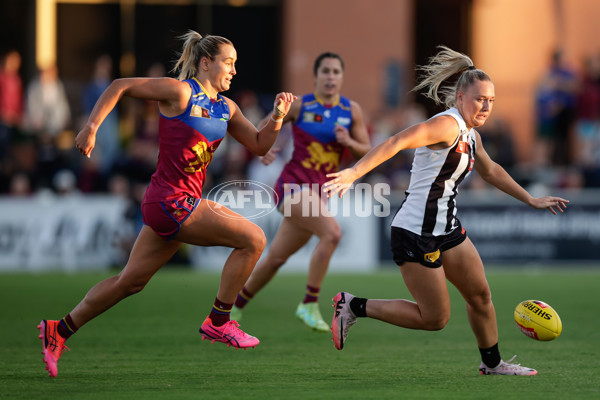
148 346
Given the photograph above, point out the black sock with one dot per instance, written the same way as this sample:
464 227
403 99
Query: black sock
358 305
491 356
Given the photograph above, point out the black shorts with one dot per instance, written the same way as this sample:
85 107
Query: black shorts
426 250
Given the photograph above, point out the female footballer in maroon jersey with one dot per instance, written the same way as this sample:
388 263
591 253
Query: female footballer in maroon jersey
324 123
194 118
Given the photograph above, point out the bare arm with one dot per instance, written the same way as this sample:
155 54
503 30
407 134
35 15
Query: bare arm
357 139
255 140
172 95
495 175
439 132
291 116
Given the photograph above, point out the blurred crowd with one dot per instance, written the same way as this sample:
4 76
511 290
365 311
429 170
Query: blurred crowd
38 125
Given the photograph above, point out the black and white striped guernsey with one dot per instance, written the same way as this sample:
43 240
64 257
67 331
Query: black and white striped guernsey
429 208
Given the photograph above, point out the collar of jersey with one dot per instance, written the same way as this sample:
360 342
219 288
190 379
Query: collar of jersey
205 92
335 103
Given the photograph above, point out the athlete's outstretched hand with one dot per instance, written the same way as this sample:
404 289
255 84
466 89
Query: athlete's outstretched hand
85 141
283 102
341 182
550 202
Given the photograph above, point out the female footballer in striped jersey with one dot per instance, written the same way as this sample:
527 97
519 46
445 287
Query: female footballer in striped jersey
194 118
428 242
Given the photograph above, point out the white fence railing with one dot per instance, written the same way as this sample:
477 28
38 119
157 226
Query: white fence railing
82 233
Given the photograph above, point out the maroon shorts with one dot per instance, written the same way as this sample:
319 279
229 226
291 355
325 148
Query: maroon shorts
166 217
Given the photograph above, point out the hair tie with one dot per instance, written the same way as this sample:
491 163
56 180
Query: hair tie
471 67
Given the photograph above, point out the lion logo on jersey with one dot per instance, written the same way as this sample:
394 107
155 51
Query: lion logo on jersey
204 155
321 158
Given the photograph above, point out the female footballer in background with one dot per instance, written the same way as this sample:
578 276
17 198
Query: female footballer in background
324 124
194 118
428 242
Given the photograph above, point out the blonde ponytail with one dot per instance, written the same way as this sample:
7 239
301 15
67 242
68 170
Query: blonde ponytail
195 47
441 68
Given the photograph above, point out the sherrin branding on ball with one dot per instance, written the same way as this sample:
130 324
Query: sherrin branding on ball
538 320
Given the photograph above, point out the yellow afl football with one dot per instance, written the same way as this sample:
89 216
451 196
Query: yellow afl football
538 320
